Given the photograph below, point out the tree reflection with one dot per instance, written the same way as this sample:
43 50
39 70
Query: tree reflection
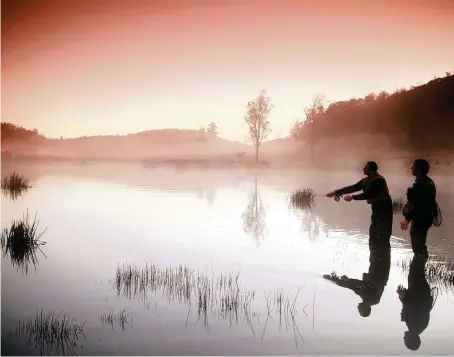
254 217
310 221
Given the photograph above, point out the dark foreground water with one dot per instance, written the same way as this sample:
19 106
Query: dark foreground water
250 280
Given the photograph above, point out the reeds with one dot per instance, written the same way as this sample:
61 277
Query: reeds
21 242
398 205
182 284
217 296
121 318
303 199
50 331
439 271
15 185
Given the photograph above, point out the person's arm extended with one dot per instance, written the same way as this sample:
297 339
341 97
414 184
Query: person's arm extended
373 190
350 189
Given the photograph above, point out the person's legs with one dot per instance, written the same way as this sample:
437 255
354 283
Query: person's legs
418 234
380 231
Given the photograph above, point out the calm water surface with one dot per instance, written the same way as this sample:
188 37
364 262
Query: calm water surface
99 229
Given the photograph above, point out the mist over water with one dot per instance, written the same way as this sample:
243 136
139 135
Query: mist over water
116 236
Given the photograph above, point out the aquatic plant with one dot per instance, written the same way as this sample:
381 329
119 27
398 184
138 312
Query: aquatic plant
49 331
15 185
21 242
121 318
181 283
398 205
439 271
303 199
218 295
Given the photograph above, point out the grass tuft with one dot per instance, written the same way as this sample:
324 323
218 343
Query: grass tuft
21 241
49 331
398 205
121 318
303 198
15 185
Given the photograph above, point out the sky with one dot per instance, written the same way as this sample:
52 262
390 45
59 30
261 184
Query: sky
95 67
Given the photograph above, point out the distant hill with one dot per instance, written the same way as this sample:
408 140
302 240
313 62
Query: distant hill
147 144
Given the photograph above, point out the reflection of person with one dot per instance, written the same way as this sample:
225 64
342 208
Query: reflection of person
376 193
421 207
371 287
417 302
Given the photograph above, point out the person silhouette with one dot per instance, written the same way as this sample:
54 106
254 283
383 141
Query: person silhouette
373 283
417 303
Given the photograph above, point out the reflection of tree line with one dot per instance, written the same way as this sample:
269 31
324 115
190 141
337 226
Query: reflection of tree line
216 297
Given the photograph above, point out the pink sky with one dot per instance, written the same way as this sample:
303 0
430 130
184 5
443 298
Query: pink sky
89 67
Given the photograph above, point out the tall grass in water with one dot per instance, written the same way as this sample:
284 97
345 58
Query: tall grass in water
398 205
15 185
439 272
303 199
181 284
121 318
50 331
21 242
218 296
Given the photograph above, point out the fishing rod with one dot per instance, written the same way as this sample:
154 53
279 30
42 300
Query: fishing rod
321 195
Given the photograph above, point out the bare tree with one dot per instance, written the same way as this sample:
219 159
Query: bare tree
257 120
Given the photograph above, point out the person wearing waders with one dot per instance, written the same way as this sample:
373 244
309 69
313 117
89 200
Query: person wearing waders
376 193
417 303
421 207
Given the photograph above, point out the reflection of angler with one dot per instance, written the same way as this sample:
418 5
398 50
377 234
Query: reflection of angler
417 303
371 287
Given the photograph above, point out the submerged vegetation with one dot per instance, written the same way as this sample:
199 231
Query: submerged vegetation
398 205
121 318
303 199
49 331
21 242
15 185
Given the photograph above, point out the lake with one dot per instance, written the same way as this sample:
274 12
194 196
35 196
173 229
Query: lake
208 262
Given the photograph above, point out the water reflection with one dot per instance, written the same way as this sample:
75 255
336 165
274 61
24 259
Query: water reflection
21 242
417 303
373 283
254 217
51 332
237 322
303 204
439 272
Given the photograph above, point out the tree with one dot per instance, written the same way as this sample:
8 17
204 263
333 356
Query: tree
257 120
313 112
212 129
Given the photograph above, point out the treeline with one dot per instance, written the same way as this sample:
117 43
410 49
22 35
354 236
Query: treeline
13 132
421 117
